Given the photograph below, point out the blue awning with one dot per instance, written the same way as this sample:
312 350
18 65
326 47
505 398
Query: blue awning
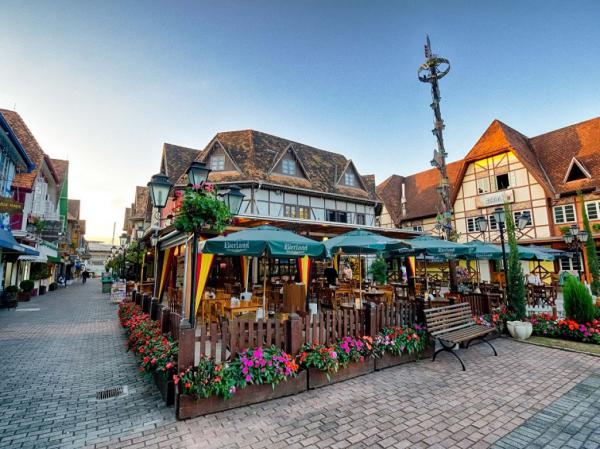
29 251
8 242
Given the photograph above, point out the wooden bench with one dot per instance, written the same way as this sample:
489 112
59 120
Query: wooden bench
452 325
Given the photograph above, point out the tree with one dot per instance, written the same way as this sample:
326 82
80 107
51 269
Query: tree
578 301
590 250
515 296
379 270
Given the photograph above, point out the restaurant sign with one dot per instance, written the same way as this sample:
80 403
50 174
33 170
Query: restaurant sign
10 206
495 199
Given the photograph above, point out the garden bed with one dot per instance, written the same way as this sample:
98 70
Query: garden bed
165 386
388 360
318 378
188 407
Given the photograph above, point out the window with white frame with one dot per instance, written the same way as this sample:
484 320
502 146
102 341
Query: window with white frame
349 178
564 214
417 228
217 162
290 210
472 225
567 263
593 209
493 226
518 213
361 219
304 212
483 185
288 166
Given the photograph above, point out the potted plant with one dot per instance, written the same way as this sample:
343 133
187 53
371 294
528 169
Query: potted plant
379 270
26 287
53 286
519 330
10 293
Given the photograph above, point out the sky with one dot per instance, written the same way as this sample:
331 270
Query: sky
105 83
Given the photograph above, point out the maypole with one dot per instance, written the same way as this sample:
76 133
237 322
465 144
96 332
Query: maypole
431 71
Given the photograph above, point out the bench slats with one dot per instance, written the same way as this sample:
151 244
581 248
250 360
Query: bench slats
454 323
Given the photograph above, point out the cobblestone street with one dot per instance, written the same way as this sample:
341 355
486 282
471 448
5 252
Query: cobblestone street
56 358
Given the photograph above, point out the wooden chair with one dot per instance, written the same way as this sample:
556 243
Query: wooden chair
452 325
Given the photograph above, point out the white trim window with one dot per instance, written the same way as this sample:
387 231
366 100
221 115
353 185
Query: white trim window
418 228
288 166
593 209
493 224
517 214
483 185
349 178
472 225
564 214
217 162
567 263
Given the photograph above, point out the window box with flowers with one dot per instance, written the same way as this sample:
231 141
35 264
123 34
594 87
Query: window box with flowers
256 375
157 353
348 358
402 344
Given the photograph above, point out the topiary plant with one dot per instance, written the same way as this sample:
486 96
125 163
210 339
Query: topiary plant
26 285
515 296
11 289
379 270
577 301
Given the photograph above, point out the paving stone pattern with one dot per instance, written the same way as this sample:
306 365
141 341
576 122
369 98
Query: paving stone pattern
56 359
572 421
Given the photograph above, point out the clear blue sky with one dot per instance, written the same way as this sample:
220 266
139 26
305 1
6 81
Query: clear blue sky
105 83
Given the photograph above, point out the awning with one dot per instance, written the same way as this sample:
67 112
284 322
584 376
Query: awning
8 242
31 255
29 251
54 259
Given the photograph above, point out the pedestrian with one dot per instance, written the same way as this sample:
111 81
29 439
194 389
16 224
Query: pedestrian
84 276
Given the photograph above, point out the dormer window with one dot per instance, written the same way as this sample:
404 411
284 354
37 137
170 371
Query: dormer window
288 166
349 179
576 172
217 162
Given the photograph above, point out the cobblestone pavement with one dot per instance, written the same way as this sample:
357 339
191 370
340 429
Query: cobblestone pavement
572 421
57 358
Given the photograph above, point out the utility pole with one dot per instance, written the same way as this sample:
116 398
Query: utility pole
431 71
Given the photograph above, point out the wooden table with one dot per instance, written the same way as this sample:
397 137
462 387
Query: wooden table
242 307
350 306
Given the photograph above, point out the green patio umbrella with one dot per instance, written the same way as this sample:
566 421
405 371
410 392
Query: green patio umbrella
483 251
361 242
432 246
266 241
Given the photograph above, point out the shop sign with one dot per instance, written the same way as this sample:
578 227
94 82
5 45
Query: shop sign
495 199
10 206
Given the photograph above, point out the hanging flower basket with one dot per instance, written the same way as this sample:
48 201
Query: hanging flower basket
202 209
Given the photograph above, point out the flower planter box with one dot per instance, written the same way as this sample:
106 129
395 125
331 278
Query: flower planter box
187 407
42 290
318 378
166 386
24 296
388 360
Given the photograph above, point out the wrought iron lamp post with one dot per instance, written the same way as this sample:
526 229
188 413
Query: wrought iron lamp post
159 187
123 239
575 238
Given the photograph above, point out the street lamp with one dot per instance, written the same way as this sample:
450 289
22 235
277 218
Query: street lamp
482 224
575 238
159 187
140 235
123 240
197 173
233 199
500 217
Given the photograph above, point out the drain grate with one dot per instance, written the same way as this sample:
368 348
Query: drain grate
111 393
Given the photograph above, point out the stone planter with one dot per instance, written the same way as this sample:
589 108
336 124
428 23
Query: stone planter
388 360
519 330
187 407
318 378
166 386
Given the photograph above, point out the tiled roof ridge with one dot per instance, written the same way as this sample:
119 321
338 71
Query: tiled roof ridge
564 128
25 126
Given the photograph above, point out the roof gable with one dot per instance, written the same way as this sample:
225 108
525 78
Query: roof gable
350 177
61 169
217 149
576 172
282 167
176 160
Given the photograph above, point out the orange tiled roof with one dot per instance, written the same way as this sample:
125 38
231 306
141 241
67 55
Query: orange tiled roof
61 168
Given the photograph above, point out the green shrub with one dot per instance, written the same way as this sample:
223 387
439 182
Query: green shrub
26 285
379 270
11 289
577 301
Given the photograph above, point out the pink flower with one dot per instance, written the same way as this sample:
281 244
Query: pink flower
248 378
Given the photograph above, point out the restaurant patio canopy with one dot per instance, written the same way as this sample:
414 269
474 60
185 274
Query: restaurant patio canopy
264 241
360 241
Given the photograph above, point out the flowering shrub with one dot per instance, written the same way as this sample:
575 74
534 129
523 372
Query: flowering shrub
545 326
321 357
158 353
401 340
207 379
265 366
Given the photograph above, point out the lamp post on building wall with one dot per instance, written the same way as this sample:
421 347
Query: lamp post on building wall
575 238
160 187
123 239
